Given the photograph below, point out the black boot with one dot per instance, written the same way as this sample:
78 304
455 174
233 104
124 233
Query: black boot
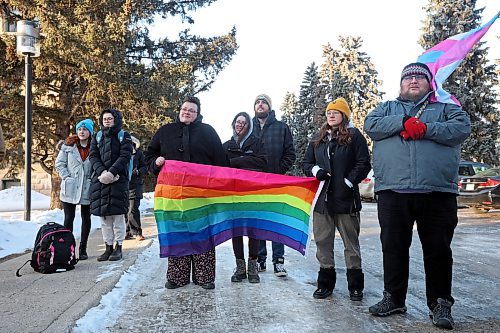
106 254
355 283
82 254
117 253
326 282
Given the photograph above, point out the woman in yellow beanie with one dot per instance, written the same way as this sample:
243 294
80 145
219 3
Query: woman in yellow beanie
338 155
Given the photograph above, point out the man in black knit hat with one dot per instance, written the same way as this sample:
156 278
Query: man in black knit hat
416 155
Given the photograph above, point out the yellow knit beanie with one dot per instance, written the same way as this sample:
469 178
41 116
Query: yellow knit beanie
341 105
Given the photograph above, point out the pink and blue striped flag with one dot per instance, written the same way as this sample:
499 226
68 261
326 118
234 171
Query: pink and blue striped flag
443 58
198 207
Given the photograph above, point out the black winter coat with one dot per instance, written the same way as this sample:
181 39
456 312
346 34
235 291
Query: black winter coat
195 143
139 170
114 156
278 144
248 155
341 161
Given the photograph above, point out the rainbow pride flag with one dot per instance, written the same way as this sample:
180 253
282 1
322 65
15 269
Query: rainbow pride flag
443 58
198 207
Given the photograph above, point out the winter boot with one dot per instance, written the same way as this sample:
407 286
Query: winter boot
326 282
355 284
253 271
106 254
240 273
117 253
82 252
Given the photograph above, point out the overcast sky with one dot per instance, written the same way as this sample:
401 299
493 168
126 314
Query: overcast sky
278 39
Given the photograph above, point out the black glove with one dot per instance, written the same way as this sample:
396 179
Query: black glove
322 175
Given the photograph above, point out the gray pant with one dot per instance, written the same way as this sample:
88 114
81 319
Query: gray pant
113 228
324 234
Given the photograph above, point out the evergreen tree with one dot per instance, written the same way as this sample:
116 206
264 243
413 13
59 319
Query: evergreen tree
474 81
99 55
349 73
303 118
289 109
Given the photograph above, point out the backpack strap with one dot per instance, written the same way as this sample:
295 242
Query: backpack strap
98 136
121 134
17 272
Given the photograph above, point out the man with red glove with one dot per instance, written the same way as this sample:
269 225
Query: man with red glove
416 155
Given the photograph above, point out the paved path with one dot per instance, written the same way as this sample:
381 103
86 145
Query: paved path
53 303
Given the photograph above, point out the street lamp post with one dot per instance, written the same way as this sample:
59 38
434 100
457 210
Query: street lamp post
27 36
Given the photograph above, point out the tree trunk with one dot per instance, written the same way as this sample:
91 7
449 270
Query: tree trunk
55 181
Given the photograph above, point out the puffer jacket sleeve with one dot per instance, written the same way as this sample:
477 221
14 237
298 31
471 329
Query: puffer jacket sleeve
95 157
61 164
453 131
381 124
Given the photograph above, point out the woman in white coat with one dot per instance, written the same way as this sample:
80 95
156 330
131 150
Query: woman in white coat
74 168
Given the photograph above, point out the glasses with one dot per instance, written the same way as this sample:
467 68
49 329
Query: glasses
419 77
241 123
189 110
333 113
108 119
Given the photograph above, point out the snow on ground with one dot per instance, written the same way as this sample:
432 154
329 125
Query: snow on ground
103 316
18 235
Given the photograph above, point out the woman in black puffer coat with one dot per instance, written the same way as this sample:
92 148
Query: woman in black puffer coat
110 152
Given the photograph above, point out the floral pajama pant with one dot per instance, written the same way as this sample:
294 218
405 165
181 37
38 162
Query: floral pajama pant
203 268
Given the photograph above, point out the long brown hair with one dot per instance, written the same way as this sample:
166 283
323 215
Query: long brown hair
341 134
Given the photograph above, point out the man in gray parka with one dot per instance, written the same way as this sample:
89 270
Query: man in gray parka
416 153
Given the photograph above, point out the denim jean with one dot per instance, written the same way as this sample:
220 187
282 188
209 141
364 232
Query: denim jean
278 251
436 217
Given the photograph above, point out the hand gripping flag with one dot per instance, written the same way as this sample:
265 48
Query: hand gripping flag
443 58
198 207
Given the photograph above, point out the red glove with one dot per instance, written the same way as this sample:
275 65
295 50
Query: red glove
414 128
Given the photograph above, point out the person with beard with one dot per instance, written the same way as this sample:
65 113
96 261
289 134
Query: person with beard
188 140
110 158
277 139
245 152
416 154
74 168
338 155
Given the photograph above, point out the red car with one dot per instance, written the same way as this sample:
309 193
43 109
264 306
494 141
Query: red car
476 191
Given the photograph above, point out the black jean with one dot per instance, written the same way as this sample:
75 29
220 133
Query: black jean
133 218
436 217
69 217
253 248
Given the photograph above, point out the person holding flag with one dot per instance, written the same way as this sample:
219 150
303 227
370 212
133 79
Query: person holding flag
416 153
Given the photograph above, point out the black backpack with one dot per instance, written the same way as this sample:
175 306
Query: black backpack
54 249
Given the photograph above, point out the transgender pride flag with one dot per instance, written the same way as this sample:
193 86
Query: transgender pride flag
198 207
444 58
